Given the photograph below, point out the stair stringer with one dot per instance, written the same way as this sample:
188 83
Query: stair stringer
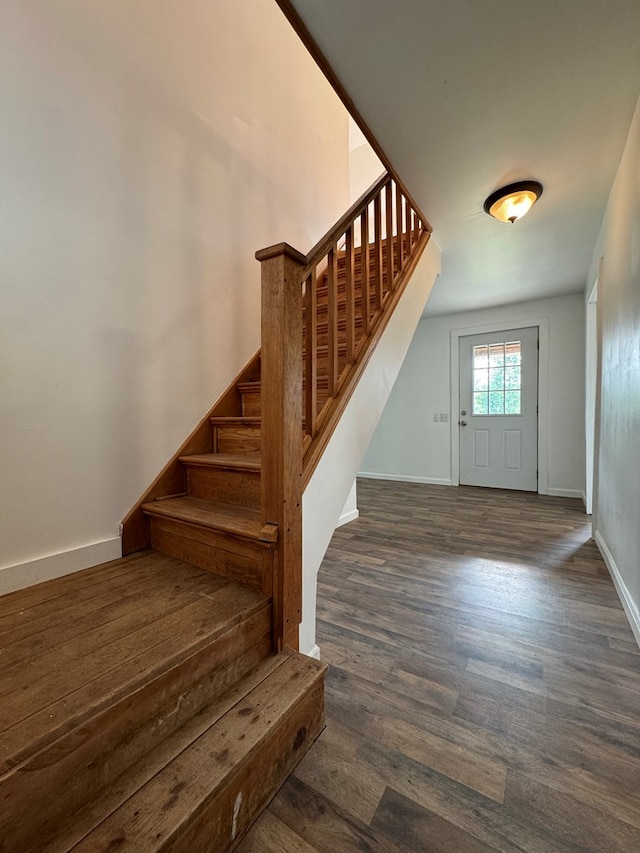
331 482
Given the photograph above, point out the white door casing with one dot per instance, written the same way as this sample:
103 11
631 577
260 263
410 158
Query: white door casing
591 382
498 409
516 321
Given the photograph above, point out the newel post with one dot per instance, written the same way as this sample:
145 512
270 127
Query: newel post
281 462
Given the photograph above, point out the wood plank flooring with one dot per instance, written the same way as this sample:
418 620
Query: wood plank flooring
72 647
484 685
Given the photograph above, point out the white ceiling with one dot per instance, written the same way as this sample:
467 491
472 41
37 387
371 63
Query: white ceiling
465 96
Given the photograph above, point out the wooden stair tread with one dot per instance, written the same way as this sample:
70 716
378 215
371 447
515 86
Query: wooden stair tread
235 461
186 790
77 615
218 515
235 420
87 665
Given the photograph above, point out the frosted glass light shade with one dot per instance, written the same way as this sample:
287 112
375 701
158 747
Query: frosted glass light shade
513 202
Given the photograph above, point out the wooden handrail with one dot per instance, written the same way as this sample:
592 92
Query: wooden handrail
387 245
322 315
324 243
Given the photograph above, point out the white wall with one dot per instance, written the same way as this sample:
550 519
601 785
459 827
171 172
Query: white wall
147 150
409 445
332 482
617 495
350 509
364 164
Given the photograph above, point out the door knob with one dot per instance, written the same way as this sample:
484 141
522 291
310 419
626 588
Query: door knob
462 423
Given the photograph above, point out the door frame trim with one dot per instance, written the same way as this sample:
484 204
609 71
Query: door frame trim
592 348
542 324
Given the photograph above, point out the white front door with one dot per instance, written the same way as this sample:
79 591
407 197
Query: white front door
498 413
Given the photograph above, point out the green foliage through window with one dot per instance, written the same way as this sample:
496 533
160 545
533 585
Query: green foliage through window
497 379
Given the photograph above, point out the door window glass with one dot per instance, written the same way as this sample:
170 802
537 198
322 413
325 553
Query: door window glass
497 378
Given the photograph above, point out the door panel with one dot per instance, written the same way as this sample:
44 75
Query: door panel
481 448
512 450
499 410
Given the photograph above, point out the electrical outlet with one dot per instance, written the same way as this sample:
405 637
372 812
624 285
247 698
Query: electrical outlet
435 417
444 417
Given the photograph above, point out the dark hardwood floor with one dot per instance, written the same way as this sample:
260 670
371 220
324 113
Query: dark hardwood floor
484 684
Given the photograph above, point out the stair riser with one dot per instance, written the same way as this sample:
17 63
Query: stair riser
341 283
249 788
322 329
322 306
236 439
322 340
251 407
79 765
357 258
239 560
202 787
322 350
240 487
323 298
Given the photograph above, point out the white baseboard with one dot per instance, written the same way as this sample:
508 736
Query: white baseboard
347 517
583 495
633 615
314 652
567 493
437 481
55 565
404 478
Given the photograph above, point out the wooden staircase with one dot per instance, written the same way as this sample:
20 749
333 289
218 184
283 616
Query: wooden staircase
143 709
163 703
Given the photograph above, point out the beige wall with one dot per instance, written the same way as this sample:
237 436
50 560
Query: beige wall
146 151
364 164
617 502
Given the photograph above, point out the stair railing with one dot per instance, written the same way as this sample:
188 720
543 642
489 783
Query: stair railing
381 234
322 315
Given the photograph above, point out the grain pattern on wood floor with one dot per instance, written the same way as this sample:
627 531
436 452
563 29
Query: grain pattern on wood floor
483 690
72 647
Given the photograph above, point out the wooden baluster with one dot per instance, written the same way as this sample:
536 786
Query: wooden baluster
389 218
350 297
311 357
407 226
377 240
399 235
332 320
365 263
281 459
409 229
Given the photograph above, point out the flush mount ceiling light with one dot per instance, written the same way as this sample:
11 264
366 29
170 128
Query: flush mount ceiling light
512 202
